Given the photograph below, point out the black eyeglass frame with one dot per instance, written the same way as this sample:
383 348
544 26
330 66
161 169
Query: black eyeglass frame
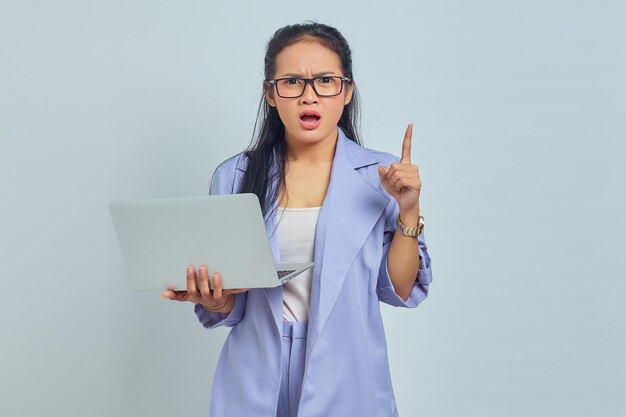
311 81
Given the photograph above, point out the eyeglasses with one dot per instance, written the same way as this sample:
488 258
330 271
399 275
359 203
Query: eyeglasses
326 86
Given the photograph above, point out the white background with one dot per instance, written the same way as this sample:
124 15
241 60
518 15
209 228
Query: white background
519 110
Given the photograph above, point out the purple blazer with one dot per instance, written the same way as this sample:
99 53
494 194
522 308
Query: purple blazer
346 367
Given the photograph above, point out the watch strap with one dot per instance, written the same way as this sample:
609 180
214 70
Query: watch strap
411 231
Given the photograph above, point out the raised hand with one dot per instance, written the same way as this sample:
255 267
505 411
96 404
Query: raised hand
401 179
198 290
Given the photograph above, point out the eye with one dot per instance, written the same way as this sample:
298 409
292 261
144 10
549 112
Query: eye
326 80
291 81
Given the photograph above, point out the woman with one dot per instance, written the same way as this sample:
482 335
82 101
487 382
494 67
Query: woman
316 346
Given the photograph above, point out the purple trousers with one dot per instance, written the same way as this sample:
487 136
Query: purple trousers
294 350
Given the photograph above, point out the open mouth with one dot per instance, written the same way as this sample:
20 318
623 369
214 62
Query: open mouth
310 119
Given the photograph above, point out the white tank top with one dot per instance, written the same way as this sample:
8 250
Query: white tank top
296 237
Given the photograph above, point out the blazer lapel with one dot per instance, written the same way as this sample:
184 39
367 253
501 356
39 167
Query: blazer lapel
351 208
274 295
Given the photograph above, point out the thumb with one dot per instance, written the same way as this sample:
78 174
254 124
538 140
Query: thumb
382 171
181 295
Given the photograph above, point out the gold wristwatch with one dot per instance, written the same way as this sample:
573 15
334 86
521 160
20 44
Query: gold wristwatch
411 231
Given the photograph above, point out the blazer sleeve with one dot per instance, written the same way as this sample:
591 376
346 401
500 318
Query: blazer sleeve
384 289
222 183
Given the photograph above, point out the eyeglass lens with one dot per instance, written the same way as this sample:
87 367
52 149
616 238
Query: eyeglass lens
323 86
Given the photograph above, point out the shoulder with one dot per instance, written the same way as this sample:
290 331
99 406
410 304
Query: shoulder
225 175
239 161
384 158
363 156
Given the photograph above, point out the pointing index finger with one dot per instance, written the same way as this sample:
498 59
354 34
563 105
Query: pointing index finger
406 145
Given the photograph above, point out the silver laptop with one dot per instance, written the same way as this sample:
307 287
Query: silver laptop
159 238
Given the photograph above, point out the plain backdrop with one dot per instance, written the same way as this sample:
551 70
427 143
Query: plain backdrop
519 110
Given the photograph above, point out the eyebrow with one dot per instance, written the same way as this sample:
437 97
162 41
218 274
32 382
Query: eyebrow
317 74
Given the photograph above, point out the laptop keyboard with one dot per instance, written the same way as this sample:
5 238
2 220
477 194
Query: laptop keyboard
285 273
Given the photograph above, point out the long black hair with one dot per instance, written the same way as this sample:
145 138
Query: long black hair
268 143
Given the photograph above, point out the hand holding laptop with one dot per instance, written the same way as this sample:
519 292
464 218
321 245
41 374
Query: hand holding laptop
198 290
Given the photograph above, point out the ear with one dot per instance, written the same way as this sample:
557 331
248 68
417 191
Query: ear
269 95
349 91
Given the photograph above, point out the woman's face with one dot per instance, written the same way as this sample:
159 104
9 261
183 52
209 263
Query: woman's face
308 59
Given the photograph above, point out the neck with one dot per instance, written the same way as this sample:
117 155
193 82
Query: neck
321 151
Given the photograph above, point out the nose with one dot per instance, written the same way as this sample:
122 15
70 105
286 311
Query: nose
309 95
